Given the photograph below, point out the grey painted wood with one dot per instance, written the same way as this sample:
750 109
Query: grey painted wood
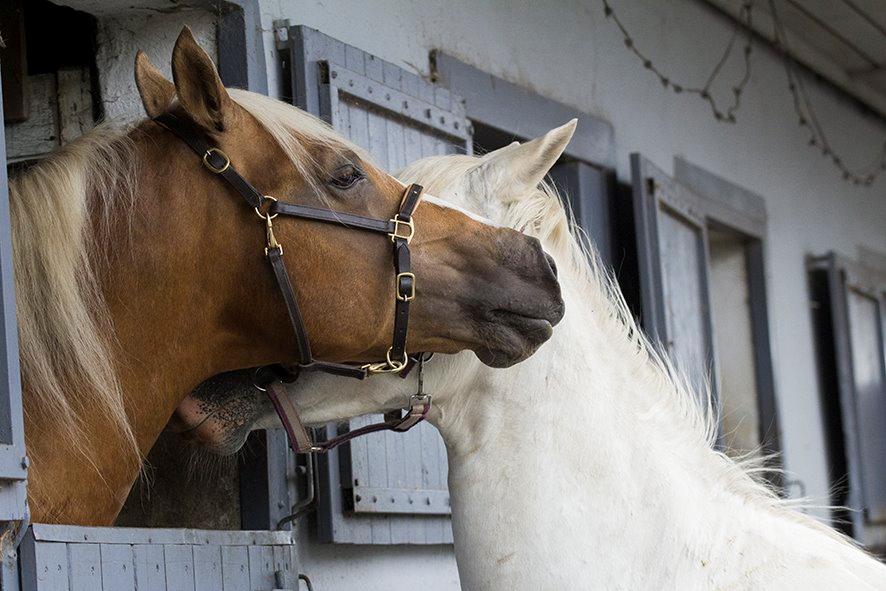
150 567
207 568
730 204
261 567
398 118
13 470
235 568
770 425
590 193
118 567
870 399
52 567
241 52
672 251
112 559
856 298
86 566
503 105
139 535
179 560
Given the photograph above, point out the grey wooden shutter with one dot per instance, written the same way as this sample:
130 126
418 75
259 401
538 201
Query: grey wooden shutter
13 466
385 488
672 251
590 192
857 301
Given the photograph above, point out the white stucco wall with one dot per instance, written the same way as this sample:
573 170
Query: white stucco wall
567 51
123 29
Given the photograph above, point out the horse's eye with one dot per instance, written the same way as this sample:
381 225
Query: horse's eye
346 177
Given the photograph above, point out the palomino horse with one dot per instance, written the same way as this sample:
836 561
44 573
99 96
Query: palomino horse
591 465
139 274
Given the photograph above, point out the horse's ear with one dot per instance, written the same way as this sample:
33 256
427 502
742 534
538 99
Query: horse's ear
155 90
528 163
200 90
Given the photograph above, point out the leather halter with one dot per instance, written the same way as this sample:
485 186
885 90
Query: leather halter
400 229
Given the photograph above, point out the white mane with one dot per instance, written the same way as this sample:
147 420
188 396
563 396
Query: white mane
688 415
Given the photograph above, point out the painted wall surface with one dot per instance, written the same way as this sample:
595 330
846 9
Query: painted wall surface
568 51
123 29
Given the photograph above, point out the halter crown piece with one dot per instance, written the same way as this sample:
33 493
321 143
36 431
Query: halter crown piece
399 228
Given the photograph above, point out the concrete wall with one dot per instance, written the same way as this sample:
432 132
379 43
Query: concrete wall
566 50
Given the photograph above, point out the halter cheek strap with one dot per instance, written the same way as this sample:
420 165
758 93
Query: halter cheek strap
400 229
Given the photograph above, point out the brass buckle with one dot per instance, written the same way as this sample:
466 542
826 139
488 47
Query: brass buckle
408 297
410 226
388 365
219 169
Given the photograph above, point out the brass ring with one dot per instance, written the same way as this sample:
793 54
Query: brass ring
265 216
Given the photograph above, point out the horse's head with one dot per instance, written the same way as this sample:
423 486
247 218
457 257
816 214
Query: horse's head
478 286
498 185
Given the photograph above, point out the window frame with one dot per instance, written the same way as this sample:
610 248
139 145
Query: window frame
716 203
844 276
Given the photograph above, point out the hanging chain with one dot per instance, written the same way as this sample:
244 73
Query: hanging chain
720 113
803 109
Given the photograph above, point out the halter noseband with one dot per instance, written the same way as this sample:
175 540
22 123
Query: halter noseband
400 229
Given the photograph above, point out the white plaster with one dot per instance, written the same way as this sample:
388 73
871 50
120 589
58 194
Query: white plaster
119 38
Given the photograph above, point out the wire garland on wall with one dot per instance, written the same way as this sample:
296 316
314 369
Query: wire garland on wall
807 118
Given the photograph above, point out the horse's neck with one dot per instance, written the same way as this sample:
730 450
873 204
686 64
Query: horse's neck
565 472
161 323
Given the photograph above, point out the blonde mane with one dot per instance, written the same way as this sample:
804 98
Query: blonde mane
689 416
66 341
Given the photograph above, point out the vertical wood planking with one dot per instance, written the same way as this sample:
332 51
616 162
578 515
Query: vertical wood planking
179 560
118 567
681 282
235 568
150 567
52 566
261 567
85 562
378 139
207 568
284 559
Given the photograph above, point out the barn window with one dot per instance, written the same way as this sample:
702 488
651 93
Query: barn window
48 94
849 312
701 249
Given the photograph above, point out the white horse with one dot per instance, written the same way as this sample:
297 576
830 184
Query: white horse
590 465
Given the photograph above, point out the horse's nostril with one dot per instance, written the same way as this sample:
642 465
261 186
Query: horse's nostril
551 263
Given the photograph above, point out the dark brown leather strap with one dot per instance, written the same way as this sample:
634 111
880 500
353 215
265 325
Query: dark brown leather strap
213 158
349 220
275 256
405 279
